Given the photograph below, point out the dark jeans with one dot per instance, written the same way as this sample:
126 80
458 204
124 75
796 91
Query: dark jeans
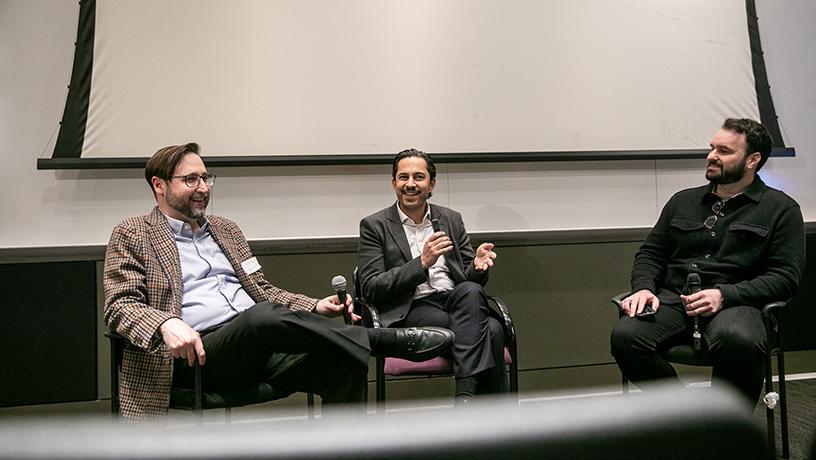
292 350
479 346
736 339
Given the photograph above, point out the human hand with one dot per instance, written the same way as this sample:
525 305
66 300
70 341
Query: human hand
182 341
636 302
330 307
704 303
437 245
484 257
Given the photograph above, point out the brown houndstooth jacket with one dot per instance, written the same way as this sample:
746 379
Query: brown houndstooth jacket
143 289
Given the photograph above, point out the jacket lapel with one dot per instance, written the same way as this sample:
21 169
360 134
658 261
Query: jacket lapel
398 232
161 238
453 260
222 238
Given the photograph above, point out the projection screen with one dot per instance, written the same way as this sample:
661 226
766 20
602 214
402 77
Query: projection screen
256 78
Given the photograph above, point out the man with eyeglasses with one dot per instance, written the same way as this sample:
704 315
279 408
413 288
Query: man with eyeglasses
185 288
744 240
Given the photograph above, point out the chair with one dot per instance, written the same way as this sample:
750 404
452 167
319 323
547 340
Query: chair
441 365
772 317
195 399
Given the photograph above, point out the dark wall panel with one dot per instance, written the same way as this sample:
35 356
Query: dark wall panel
799 331
47 333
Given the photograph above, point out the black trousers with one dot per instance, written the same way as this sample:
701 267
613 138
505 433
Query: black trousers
736 339
292 350
479 346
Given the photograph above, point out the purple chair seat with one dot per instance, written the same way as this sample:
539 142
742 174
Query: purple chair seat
434 366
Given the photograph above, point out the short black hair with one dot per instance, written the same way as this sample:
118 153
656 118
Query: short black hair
757 137
413 153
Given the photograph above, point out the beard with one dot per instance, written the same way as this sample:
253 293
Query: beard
182 205
727 175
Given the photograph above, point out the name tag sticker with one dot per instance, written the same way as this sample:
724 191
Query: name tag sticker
251 265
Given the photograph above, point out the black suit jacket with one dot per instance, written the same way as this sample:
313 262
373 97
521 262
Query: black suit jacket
389 274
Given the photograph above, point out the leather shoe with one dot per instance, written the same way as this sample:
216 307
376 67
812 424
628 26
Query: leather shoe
422 343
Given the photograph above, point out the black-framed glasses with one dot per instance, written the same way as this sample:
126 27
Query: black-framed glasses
717 207
192 180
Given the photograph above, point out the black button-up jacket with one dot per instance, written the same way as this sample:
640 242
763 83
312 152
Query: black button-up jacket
754 250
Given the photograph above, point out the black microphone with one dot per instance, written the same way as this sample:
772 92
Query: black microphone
339 286
694 285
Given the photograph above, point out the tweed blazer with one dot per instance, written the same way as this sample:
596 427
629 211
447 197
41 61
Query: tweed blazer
390 274
143 289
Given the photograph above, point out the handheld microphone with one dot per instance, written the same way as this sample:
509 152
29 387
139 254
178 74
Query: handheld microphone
694 285
339 286
435 225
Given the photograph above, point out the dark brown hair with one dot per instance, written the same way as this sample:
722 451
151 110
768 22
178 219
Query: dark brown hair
164 162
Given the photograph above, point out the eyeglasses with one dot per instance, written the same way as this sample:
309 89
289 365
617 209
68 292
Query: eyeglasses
192 180
717 207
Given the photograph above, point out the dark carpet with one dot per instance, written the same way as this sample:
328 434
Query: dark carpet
801 419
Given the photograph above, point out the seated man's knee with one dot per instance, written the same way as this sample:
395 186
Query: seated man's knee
735 342
265 315
623 337
496 330
737 331
469 288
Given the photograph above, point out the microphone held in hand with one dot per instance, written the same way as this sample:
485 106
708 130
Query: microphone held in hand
693 286
339 286
693 283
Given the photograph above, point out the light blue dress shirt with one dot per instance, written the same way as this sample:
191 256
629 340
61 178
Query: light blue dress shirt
212 292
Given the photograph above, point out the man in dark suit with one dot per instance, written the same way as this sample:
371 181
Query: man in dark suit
417 267
185 286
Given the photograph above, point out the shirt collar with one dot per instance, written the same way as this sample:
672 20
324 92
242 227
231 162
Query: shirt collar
181 228
753 192
426 219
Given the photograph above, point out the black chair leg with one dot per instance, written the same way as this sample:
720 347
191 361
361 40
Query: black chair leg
514 372
114 387
783 404
198 409
310 405
380 364
769 411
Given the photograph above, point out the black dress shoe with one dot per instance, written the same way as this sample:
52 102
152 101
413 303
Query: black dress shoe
421 343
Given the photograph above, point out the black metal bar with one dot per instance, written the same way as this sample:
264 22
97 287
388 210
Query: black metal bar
71 136
382 159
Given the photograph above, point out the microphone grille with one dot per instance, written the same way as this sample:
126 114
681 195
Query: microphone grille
339 283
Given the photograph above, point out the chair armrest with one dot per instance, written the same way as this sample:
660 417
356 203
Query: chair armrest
774 308
371 317
618 300
113 335
117 344
367 311
506 320
772 316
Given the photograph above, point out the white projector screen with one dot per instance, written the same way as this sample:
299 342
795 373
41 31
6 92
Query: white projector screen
286 77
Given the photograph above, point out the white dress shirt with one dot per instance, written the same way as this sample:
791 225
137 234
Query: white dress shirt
417 235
